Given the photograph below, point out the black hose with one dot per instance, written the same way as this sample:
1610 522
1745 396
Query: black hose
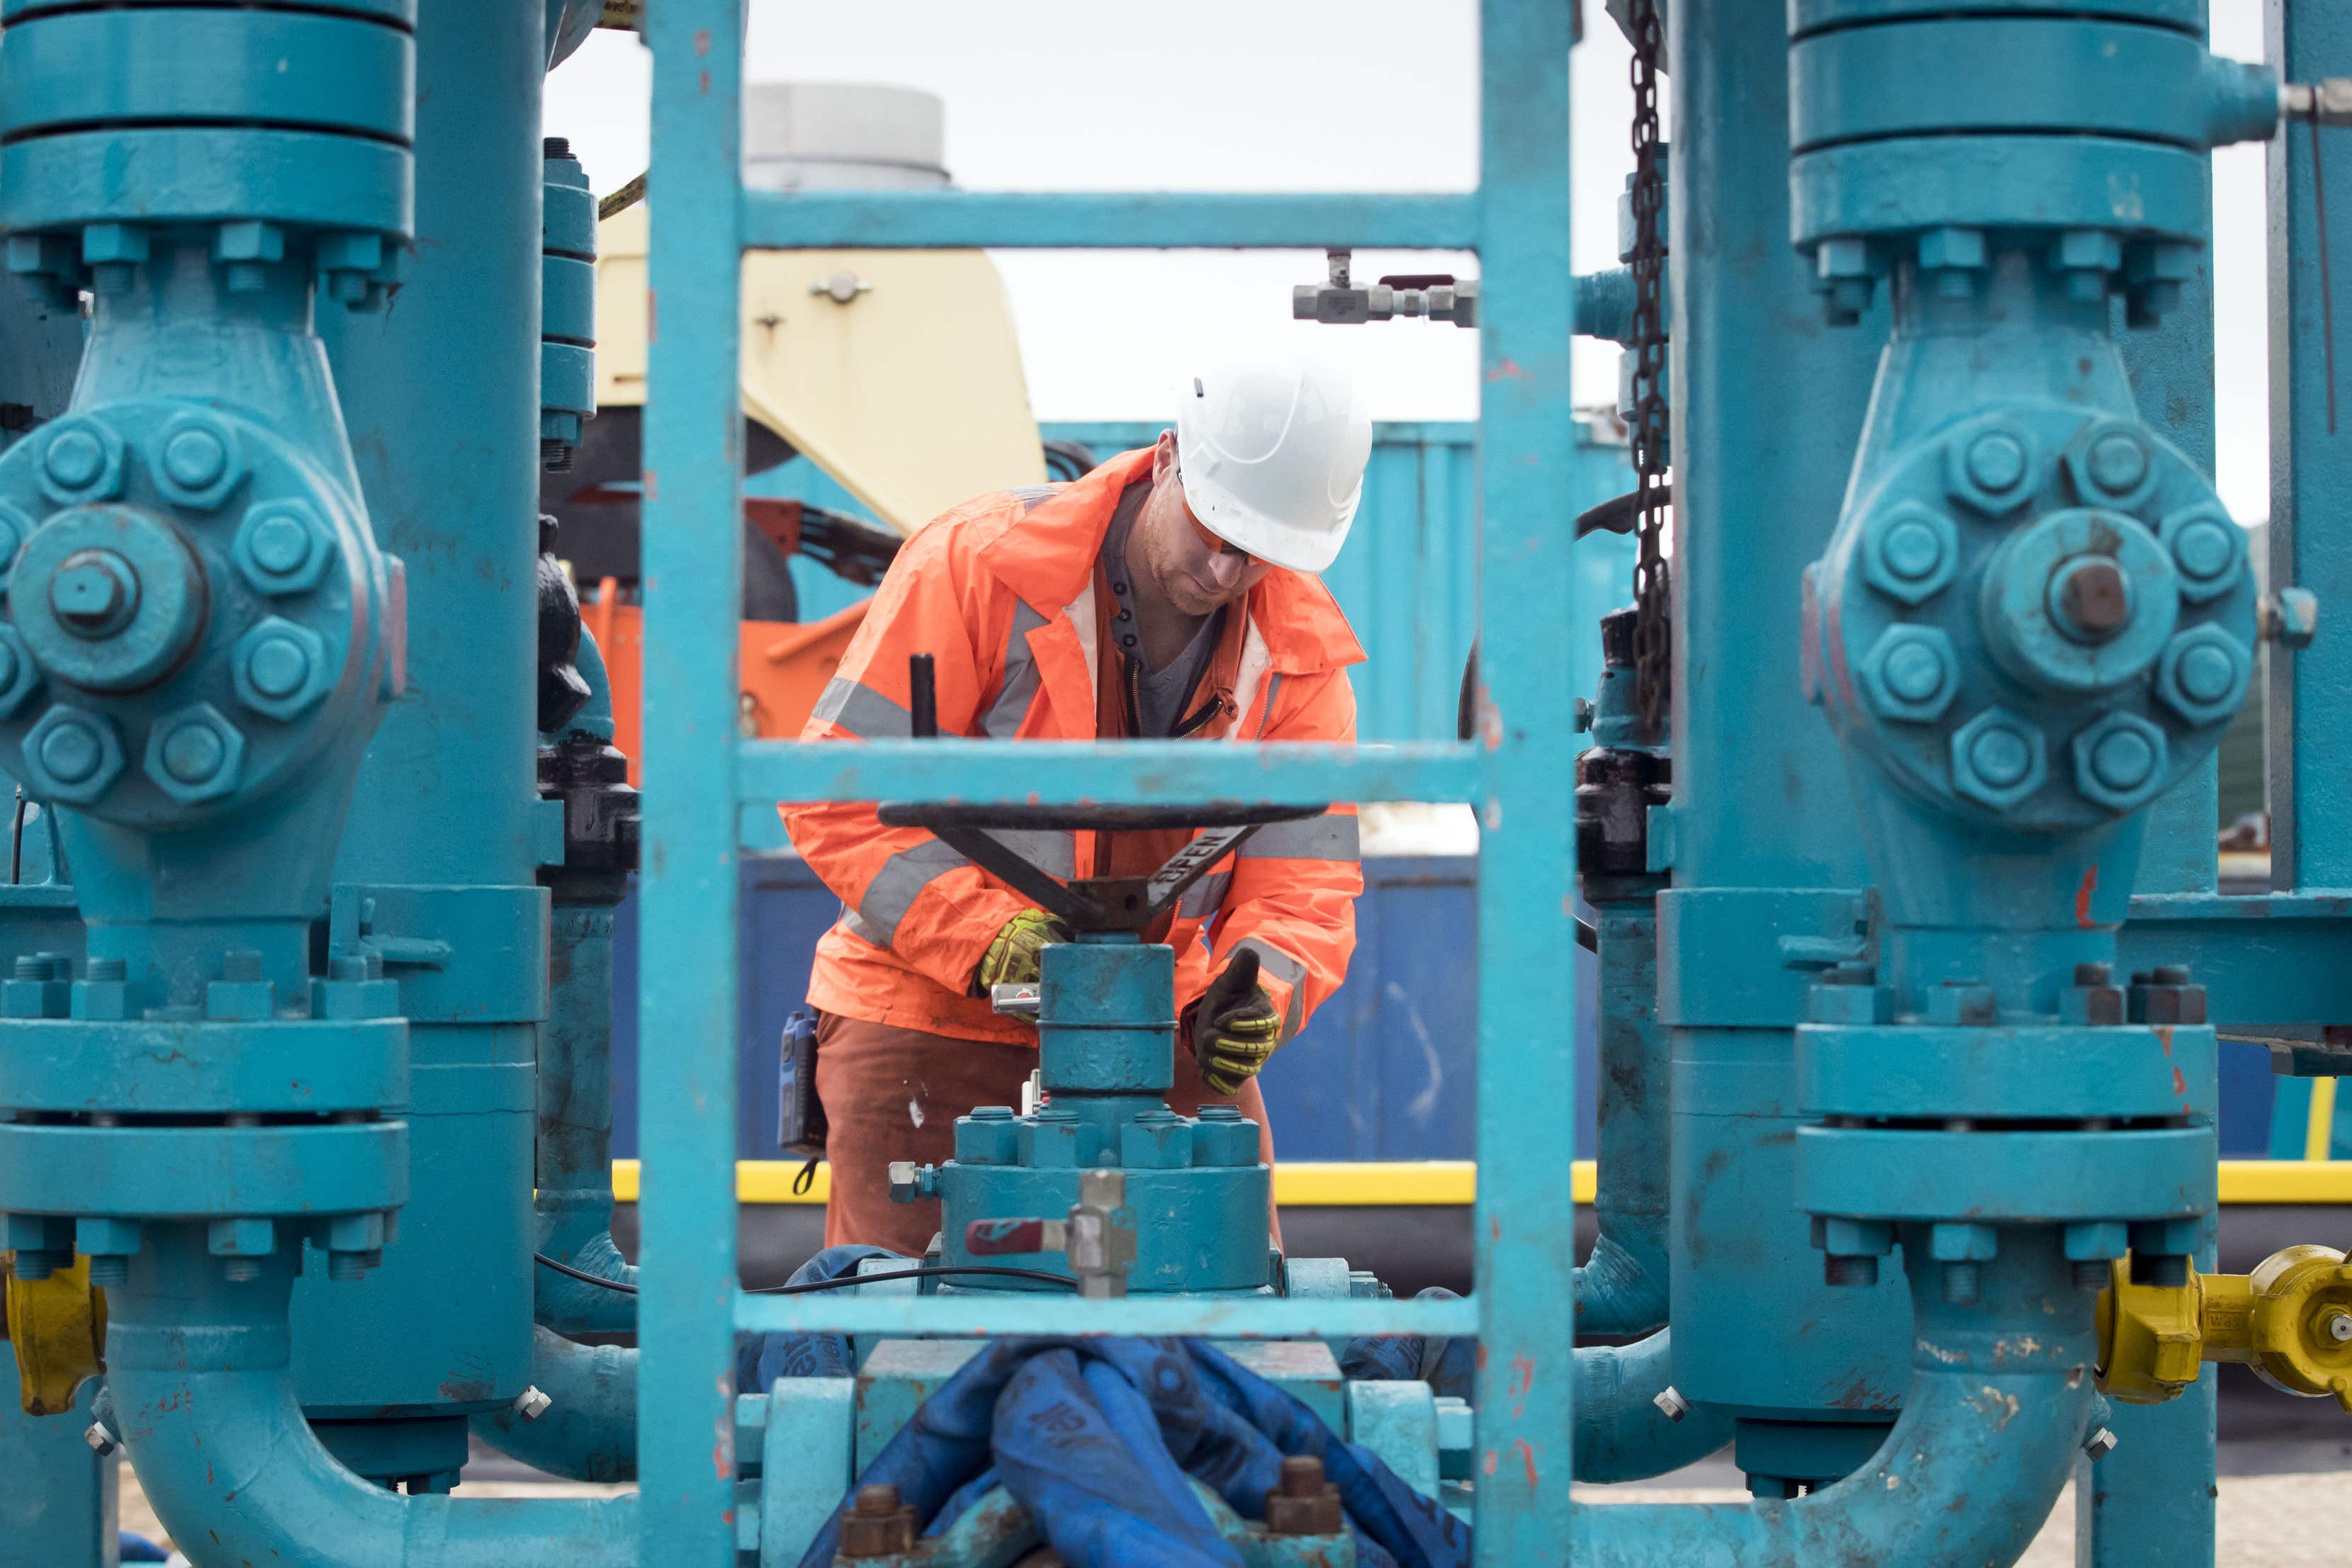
927 1271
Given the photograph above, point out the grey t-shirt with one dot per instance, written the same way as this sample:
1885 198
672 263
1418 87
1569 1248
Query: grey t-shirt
1161 695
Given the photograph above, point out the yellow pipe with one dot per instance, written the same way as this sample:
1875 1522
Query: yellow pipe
1453 1183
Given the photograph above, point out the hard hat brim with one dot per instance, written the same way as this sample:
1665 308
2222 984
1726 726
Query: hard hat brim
1269 539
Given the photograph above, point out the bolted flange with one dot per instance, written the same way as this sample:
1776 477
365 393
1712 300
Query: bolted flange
1911 674
2120 760
2209 551
1993 466
283 547
1911 552
2204 674
81 460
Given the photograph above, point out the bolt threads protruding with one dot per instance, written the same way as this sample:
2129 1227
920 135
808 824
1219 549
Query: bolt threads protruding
2091 1273
1962 1284
108 970
241 1270
555 147
32 967
555 457
2169 1270
344 1267
1850 1272
109 1270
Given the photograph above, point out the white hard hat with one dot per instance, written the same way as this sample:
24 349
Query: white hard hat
1271 446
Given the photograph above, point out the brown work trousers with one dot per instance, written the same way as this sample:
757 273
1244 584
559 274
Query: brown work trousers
894 1094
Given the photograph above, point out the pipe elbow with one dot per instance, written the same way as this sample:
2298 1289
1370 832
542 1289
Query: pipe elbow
236 1474
589 1429
573 1307
1622 1435
1620 1291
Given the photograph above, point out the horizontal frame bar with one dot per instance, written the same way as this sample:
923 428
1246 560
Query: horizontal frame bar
985 1315
1110 220
1128 772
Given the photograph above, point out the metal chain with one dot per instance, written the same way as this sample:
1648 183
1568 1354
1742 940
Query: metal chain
1647 422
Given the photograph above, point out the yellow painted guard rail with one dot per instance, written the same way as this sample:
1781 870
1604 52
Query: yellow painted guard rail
1337 1183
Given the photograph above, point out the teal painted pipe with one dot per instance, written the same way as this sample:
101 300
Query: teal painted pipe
1995 1412
1622 1435
202 1385
1762 822
441 396
589 1430
1621 1288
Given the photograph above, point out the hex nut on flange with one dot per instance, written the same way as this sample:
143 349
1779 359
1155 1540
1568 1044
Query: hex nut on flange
194 754
16 528
2207 550
1980 459
81 460
1910 674
72 755
1998 759
2120 761
198 461
283 547
2111 464
1910 552
279 668
19 676
2202 675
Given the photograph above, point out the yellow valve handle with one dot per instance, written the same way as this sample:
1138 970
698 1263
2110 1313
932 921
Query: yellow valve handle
2290 1320
56 1327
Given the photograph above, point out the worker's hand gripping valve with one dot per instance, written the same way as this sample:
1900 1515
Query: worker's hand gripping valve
1017 955
1233 1027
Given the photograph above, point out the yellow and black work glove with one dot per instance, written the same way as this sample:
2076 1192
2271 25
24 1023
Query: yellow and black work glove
1234 1026
1016 954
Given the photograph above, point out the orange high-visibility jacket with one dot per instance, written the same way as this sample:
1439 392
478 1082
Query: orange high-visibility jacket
1003 594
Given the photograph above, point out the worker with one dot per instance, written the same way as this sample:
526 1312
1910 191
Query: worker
1170 593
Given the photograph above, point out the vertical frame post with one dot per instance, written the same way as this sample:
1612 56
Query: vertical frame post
2311 470
1526 1245
687 977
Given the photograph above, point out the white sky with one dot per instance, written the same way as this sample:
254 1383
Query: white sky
1224 95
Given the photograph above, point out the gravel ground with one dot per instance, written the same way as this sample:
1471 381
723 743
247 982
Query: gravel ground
2266 1521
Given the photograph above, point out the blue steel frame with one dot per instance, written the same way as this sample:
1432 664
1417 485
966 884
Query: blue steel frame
698 771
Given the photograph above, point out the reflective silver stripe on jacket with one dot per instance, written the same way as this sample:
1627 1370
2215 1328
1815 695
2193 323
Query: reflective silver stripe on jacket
1330 837
1272 690
896 886
863 711
1206 896
1019 687
1051 850
1032 497
1289 971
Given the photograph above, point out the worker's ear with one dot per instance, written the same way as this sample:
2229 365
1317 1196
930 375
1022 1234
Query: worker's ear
1163 458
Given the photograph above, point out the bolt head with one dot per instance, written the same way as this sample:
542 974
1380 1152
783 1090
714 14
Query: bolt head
283 547
280 668
200 462
2208 550
1993 466
72 755
2204 674
1910 552
2290 617
81 460
194 754
1670 1403
19 676
2100 1444
1998 759
1910 674
101 1441
94 593
2120 761
532 1404
16 528
2090 598
2110 463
